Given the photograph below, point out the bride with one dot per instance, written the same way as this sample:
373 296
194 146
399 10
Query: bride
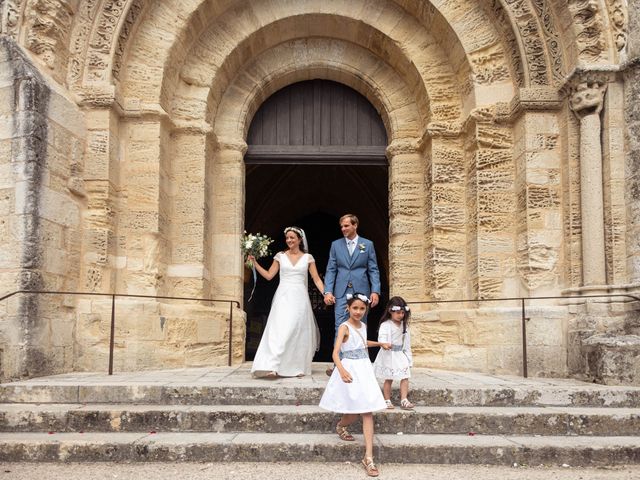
291 336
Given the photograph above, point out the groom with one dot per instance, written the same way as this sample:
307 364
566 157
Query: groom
352 267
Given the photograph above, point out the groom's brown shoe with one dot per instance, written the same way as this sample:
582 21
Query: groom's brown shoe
329 371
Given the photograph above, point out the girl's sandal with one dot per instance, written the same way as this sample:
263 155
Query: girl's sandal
405 404
389 405
370 467
344 434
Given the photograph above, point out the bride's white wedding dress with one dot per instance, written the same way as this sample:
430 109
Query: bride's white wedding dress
291 336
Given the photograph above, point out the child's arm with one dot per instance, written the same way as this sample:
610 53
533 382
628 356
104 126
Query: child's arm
383 333
343 332
384 345
407 348
384 340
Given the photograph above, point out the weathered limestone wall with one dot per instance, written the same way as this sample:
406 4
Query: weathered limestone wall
632 143
159 188
489 339
41 162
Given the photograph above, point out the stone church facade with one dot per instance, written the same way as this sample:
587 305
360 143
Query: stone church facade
511 152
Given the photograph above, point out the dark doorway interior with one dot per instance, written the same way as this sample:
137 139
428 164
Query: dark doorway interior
313 198
316 151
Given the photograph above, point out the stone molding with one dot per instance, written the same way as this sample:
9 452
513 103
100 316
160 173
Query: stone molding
589 29
444 130
235 144
99 96
532 99
618 19
10 18
404 147
533 46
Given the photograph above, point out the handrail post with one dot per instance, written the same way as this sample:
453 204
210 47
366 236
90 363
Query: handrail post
524 340
113 332
230 331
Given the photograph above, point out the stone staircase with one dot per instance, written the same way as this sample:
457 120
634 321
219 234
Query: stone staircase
221 414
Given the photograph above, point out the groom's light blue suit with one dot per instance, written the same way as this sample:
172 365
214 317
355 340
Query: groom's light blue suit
351 273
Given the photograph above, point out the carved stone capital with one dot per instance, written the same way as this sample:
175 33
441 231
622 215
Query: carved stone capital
534 99
586 97
232 143
444 129
97 96
403 146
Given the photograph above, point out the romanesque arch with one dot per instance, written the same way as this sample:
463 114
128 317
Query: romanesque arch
486 150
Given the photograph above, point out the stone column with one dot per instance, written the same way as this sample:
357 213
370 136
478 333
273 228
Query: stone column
539 226
406 219
586 102
491 204
226 204
447 210
227 218
187 273
145 224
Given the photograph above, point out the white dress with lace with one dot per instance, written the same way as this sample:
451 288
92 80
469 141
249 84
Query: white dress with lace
394 364
291 336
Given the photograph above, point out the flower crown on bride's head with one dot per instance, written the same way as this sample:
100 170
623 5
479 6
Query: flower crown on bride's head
294 229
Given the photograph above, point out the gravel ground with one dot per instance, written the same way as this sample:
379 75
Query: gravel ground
306 471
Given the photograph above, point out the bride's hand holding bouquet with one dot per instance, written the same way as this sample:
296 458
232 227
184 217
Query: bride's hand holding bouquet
255 246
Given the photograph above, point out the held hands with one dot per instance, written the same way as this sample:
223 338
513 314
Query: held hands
374 299
385 346
329 299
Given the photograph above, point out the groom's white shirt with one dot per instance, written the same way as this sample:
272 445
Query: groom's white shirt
355 242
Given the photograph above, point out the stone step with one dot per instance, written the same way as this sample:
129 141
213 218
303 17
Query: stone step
282 393
312 419
265 447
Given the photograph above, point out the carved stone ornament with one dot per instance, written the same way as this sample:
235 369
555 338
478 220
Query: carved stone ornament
403 147
618 16
10 17
589 28
49 23
587 97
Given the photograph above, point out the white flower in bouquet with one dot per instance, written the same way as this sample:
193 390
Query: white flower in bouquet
256 245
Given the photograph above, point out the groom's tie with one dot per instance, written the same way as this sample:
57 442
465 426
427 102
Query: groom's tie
352 246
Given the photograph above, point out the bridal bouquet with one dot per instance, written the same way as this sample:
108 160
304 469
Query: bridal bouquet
256 245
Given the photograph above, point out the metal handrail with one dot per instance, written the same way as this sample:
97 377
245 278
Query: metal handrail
131 295
522 310
522 301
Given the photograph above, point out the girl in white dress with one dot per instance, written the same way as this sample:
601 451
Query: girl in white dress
291 336
395 363
353 388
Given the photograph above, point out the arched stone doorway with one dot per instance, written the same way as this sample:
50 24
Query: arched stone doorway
316 151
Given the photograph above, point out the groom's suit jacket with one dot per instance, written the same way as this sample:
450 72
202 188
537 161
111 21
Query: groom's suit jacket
360 269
